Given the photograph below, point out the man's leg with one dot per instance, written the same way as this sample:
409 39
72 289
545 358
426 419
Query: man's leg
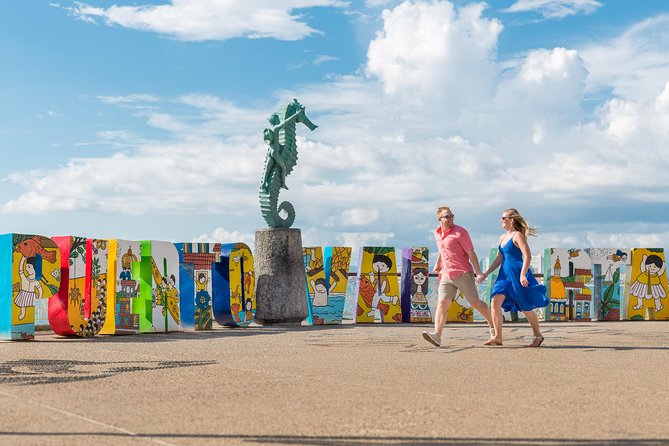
468 289
446 294
440 315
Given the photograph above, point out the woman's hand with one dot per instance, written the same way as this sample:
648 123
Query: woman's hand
523 281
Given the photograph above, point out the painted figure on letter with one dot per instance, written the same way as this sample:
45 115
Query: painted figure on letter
30 286
647 285
381 264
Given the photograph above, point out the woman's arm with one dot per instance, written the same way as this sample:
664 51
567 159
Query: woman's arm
521 242
494 265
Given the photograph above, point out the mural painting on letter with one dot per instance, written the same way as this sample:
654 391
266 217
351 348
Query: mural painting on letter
326 282
647 290
378 286
570 271
30 270
415 275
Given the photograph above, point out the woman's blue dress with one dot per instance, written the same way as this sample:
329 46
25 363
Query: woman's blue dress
518 297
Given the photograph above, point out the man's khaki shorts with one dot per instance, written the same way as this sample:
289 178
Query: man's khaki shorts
465 283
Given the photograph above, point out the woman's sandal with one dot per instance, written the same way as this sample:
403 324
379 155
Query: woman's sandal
536 341
492 341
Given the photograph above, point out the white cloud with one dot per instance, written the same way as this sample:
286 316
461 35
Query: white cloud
429 52
354 217
199 20
324 58
128 99
222 235
635 64
209 176
378 165
376 3
550 9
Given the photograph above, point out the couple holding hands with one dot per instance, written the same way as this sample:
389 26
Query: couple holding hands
515 289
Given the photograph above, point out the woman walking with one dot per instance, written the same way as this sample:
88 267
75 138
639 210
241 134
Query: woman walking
515 289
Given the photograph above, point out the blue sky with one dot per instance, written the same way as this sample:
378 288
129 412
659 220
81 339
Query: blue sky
144 119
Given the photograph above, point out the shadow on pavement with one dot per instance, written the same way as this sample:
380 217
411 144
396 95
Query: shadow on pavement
357 440
190 335
28 372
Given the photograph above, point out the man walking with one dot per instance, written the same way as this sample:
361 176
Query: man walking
456 264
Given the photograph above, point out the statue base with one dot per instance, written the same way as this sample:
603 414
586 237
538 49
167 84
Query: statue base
280 278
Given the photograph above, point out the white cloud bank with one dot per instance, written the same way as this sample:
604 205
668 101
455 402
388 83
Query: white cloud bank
200 20
551 9
433 121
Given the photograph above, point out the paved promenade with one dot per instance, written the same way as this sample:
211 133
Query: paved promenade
590 384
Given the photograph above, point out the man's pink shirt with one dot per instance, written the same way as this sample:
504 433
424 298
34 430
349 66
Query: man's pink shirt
453 246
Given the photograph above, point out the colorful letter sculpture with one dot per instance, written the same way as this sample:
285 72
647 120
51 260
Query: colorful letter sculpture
234 285
29 270
570 270
378 287
337 267
415 275
196 262
326 279
317 290
163 261
122 288
80 306
647 292
280 160
460 310
607 278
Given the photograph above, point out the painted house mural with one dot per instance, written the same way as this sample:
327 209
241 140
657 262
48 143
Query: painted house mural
570 271
196 261
122 287
647 290
607 267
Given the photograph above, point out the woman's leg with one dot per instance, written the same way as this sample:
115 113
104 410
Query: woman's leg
497 319
534 322
536 331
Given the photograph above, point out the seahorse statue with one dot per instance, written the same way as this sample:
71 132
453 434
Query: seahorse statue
280 160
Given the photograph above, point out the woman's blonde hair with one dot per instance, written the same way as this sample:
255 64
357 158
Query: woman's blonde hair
519 223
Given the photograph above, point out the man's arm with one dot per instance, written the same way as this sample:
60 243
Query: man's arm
437 266
475 263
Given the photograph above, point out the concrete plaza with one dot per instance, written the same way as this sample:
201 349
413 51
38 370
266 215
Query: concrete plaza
589 384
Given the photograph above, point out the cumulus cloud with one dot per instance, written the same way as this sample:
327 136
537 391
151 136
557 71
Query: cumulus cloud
433 52
222 235
635 64
199 20
378 165
551 9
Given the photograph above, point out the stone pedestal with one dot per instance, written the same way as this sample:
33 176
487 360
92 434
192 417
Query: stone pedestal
280 279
